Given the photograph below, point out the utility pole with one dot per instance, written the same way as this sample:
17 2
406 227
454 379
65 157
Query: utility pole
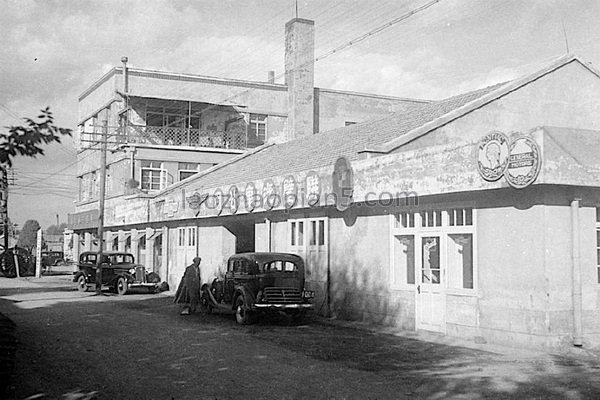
4 202
101 207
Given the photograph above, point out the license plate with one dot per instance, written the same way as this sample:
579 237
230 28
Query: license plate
308 293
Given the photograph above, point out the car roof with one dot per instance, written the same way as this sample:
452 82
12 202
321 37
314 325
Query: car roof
107 253
263 257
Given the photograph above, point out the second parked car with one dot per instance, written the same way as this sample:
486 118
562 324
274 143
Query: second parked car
260 282
119 272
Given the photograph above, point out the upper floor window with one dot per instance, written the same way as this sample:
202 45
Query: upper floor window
152 174
257 130
187 169
171 117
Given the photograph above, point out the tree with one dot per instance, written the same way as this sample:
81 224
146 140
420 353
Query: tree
28 235
25 140
56 230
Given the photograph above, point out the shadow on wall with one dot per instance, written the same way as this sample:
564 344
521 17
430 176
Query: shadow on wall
360 291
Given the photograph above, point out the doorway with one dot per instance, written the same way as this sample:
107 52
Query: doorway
431 304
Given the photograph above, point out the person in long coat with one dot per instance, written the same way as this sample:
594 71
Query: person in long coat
188 292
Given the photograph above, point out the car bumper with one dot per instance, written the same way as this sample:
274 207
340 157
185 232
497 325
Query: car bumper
146 285
282 306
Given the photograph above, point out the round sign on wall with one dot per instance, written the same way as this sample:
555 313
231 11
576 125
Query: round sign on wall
492 156
342 184
524 162
290 191
269 195
218 200
312 188
250 197
233 199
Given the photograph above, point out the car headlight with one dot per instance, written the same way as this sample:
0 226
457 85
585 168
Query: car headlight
132 271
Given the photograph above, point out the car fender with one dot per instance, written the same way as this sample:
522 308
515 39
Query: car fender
78 274
125 275
249 298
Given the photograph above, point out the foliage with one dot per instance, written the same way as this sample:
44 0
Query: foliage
56 230
28 234
25 140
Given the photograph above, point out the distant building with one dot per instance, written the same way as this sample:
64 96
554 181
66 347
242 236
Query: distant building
164 127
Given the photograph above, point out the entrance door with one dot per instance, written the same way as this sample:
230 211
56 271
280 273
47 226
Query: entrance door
431 305
317 259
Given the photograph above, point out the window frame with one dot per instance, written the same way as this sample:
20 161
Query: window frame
184 167
152 169
445 231
254 124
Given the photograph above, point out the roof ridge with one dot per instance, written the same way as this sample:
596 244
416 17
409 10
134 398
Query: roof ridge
497 91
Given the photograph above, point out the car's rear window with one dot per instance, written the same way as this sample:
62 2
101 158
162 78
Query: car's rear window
285 266
121 259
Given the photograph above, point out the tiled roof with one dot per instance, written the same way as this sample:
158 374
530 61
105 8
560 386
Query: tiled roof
383 135
324 148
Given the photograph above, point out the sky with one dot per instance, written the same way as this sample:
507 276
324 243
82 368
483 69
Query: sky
52 50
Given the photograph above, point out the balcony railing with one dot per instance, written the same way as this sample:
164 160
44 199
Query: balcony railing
171 136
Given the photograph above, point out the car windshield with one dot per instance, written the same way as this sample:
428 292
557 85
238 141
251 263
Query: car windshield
285 266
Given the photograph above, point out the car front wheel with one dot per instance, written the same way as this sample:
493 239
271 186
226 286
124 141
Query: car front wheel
122 286
242 316
82 284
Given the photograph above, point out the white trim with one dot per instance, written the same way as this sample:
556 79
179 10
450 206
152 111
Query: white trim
418 232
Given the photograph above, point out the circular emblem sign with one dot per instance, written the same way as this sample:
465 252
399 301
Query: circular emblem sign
313 188
218 200
269 194
290 191
342 184
250 197
492 156
233 199
524 162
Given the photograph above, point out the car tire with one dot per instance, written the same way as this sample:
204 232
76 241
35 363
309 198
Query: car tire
205 302
242 316
122 286
82 284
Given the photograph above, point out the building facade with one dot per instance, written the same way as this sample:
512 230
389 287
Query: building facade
162 128
475 216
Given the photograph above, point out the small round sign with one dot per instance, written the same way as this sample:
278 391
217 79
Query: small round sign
492 156
290 191
312 188
524 162
269 195
250 197
342 184
233 199
218 200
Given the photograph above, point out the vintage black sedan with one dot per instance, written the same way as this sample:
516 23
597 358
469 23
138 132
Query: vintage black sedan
119 272
260 282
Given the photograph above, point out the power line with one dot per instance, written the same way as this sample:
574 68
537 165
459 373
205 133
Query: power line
377 30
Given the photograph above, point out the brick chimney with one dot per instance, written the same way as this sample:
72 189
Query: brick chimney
300 76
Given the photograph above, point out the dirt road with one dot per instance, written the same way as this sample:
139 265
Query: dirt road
74 345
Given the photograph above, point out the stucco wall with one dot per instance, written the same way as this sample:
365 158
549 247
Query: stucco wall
100 96
359 268
337 108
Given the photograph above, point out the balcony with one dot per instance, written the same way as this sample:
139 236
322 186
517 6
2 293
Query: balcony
171 136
